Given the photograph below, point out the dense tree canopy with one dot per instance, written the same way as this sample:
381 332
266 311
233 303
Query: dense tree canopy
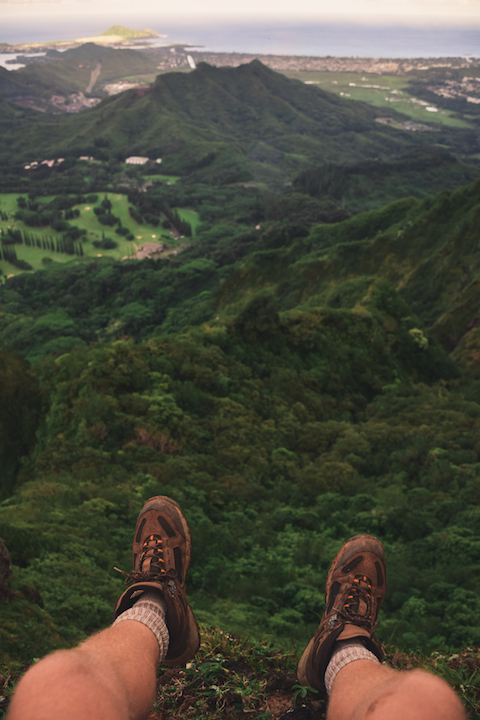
300 372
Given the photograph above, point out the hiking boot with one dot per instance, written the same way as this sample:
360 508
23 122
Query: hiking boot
354 592
161 556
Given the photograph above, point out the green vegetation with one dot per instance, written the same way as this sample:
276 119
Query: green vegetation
226 125
384 91
168 179
127 34
304 370
55 229
191 217
367 185
232 676
71 71
341 406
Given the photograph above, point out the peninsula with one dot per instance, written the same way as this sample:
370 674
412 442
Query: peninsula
116 36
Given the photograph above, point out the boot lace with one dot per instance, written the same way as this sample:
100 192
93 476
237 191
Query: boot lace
358 606
151 558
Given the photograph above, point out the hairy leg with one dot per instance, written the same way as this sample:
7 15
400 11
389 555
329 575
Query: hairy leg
111 676
364 690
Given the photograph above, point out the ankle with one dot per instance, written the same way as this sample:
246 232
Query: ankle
356 686
150 610
345 652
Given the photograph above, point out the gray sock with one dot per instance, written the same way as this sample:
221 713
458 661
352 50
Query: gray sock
344 652
150 609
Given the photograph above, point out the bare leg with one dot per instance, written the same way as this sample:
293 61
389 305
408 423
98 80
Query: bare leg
340 659
111 676
366 690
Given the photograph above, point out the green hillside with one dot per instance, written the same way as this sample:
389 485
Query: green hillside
11 115
224 125
424 251
371 184
303 368
227 125
71 72
312 389
42 81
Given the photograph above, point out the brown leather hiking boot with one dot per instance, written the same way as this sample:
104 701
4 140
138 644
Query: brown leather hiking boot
161 556
354 592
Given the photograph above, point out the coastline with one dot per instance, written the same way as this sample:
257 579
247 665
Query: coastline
272 38
108 38
175 56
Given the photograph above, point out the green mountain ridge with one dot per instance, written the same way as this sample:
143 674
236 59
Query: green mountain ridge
427 250
228 124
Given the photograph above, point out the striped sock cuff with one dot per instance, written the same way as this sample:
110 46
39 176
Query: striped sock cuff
150 610
345 651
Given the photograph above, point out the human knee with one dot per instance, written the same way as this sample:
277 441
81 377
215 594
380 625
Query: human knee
61 676
436 692
416 695
35 685
57 667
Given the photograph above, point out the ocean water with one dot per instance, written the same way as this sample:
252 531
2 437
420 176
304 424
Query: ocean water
301 38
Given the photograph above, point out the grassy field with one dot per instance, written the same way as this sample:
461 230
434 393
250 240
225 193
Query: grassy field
38 257
380 91
147 79
191 217
162 179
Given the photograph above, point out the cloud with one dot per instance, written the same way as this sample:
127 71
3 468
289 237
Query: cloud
375 11
31 2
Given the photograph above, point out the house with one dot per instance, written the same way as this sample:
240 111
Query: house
136 160
147 250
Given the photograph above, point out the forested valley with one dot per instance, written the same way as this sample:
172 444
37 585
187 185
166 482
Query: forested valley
305 369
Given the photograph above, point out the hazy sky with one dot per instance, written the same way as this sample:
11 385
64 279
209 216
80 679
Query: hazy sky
431 11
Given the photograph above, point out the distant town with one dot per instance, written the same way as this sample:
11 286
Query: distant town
179 56
176 57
